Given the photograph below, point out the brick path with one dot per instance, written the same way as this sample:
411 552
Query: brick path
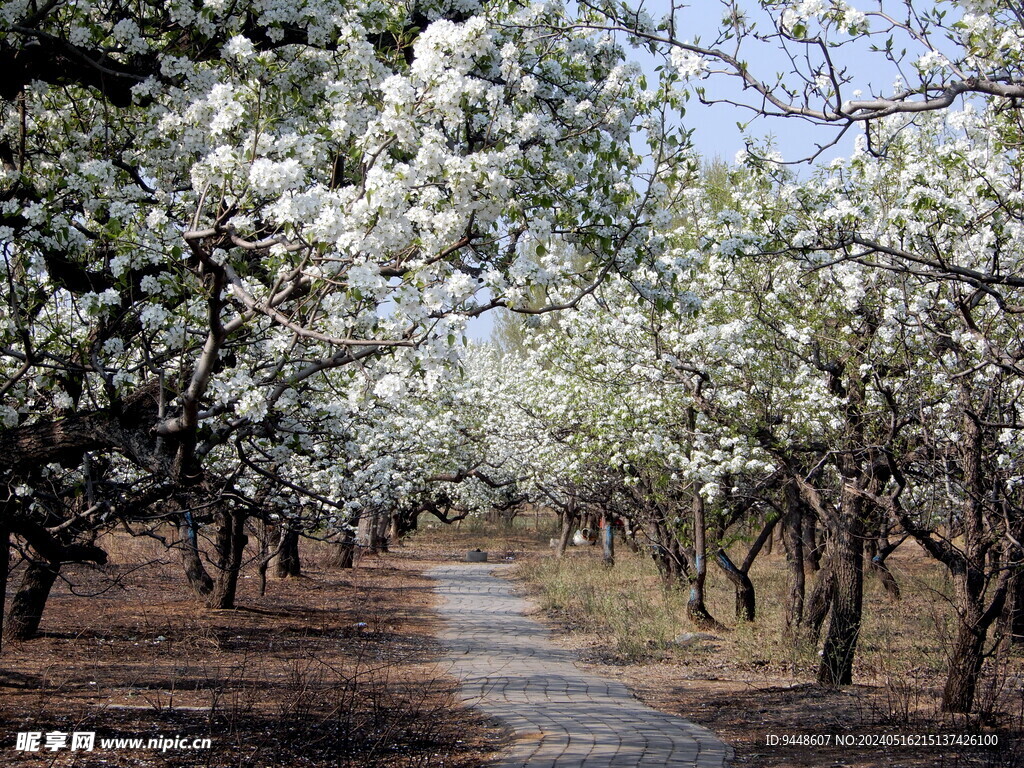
562 716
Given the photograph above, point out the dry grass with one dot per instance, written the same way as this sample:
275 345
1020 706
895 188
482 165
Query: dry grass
526 537
624 608
757 679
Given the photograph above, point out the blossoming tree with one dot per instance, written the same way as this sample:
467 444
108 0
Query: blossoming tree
208 207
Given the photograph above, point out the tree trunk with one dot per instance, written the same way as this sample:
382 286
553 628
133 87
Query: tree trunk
188 541
629 536
5 564
668 556
383 523
608 542
30 601
881 570
346 551
270 542
589 524
394 533
975 619
287 564
568 524
366 533
231 541
820 602
1015 608
811 545
343 554
965 663
746 603
696 610
847 562
793 529
972 576
371 534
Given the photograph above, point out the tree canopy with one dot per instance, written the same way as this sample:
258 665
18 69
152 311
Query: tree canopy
242 241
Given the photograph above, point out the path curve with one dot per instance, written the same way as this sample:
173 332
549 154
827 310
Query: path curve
562 716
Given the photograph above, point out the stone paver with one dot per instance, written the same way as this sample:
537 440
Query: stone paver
562 717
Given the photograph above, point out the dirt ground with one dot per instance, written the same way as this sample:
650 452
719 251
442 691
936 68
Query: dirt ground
335 668
341 668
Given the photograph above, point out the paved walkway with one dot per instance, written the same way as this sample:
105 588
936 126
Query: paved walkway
562 717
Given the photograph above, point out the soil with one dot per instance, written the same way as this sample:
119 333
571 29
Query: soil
341 668
848 727
334 668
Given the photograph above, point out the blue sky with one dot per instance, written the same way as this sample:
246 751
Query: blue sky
714 127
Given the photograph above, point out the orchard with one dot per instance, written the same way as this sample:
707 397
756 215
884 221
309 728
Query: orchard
245 245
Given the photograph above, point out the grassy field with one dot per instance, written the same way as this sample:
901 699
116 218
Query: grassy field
640 618
757 678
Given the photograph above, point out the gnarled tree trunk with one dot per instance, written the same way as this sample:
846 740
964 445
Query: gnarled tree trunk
746 601
793 530
191 560
371 534
230 545
5 564
965 661
820 601
979 584
569 519
668 556
42 571
344 552
30 600
812 544
879 551
846 557
287 563
1014 611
